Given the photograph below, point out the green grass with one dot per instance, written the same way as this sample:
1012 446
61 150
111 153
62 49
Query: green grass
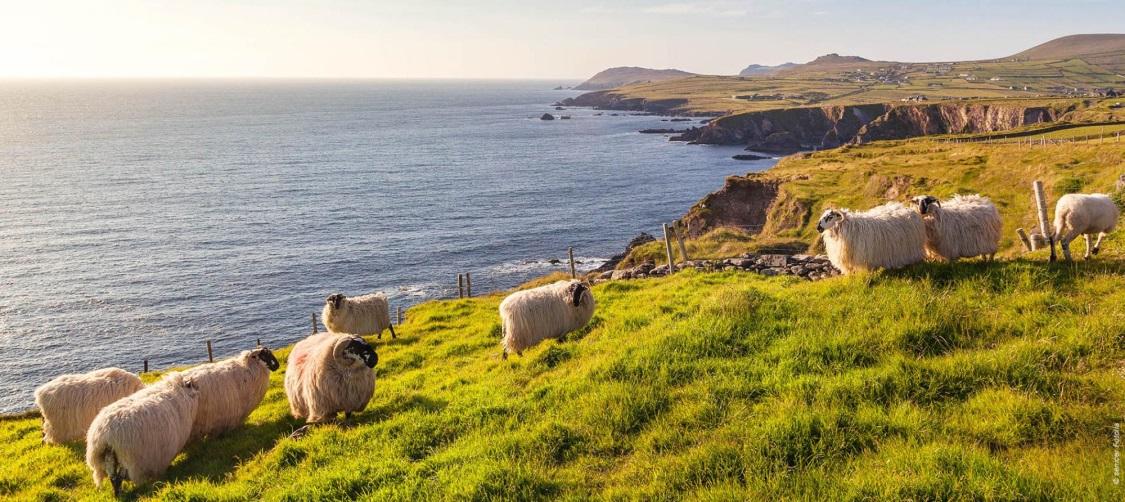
996 381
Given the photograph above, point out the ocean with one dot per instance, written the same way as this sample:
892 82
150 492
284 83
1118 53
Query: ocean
139 219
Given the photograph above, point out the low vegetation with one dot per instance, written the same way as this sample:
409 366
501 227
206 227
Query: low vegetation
979 381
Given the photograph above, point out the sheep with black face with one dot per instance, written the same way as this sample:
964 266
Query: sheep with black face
230 390
961 227
330 373
360 315
887 236
533 315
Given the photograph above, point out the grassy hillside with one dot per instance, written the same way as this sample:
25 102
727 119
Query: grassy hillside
979 381
860 177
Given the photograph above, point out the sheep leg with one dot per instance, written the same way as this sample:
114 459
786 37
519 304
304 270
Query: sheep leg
1087 238
1064 243
504 355
302 432
392 328
1098 243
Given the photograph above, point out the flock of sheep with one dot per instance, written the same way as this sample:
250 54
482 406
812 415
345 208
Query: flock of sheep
894 235
133 431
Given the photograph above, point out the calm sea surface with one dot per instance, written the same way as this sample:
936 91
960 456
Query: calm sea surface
140 219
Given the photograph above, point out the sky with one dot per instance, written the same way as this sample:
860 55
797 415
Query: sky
559 39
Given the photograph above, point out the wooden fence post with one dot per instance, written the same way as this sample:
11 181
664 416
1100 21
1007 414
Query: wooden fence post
460 286
668 249
468 285
1025 240
314 322
1041 206
400 314
570 252
210 354
146 366
259 342
678 228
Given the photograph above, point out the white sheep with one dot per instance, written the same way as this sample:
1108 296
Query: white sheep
69 403
962 227
330 373
137 437
533 315
359 315
1083 214
887 236
230 390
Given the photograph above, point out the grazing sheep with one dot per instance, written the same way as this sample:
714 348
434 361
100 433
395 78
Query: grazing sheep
961 227
137 437
330 373
887 236
69 403
1083 214
361 315
550 311
230 390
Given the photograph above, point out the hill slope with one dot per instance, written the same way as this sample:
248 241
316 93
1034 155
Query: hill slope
1075 46
626 75
759 70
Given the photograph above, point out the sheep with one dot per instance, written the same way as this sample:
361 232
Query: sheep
69 403
360 315
230 390
330 373
1083 214
550 311
887 236
137 437
961 227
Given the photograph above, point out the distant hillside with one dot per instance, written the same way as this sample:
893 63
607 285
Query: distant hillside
1103 49
625 75
758 70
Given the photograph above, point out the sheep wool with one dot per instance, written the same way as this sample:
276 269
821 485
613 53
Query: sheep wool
887 236
550 311
1084 214
360 315
137 437
230 390
328 374
69 403
961 227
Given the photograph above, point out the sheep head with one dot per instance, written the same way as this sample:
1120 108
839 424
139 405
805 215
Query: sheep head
353 351
924 202
576 291
266 356
335 300
829 219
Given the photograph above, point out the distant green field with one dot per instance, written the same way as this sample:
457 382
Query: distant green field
855 84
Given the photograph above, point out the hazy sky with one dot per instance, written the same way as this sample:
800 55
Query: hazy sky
508 39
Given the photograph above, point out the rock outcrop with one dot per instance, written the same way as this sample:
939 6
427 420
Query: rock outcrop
610 100
625 75
800 265
611 263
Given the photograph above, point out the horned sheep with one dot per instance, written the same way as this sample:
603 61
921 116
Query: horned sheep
138 436
69 403
359 315
533 315
230 390
961 227
1083 214
887 236
330 373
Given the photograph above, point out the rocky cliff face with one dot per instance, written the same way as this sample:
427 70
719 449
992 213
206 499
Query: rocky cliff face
743 202
795 129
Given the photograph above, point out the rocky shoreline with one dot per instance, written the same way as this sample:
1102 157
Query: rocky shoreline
805 266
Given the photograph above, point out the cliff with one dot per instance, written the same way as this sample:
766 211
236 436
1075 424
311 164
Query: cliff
609 100
795 129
